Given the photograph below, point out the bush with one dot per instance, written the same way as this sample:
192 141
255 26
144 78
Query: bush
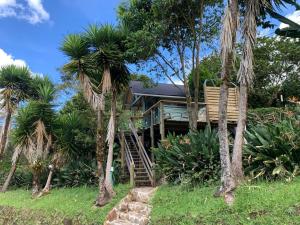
191 159
273 150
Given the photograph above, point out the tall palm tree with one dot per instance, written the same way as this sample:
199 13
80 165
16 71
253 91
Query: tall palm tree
108 48
14 85
34 131
228 43
92 56
253 10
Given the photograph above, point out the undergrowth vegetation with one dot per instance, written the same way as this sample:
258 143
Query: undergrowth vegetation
273 149
191 159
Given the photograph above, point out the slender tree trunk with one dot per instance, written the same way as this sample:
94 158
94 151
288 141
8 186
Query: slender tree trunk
111 137
197 68
12 171
227 51
103 196
5 132
237 161
227 181
245 76
47 187
9 177
35 182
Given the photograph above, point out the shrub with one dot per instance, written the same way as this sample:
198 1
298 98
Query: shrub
273 150
191 159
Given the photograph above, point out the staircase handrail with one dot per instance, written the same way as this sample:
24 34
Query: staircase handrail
129 160
142 153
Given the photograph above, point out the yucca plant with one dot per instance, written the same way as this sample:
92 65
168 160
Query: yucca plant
34 130
193 158
273 150
15 87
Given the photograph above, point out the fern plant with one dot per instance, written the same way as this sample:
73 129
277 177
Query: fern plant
273 150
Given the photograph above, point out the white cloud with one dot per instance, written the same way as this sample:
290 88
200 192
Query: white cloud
6 59
295 16
31 10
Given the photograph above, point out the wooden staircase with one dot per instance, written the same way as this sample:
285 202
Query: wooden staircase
141 177
137 160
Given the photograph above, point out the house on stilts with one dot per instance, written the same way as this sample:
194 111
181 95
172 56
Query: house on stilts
162 109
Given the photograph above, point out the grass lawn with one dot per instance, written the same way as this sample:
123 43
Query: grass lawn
263 204
17 206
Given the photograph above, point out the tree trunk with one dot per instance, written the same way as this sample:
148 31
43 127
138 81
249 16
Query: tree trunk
15 159
47 187
4 135
111 138
9 177
227 181
103 196
245 76
237 162
35 182
197 69
228 39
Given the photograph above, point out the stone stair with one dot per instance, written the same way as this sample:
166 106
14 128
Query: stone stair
134 209
141 176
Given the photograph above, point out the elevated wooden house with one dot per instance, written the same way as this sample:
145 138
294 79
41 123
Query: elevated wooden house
163 109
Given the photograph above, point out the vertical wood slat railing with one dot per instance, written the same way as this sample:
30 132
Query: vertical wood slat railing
129 160
143 154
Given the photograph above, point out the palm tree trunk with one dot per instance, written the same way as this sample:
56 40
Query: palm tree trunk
111 137
4 135
47 187
35 182
245 75
227 49
15 159
237 162
9 177
103 196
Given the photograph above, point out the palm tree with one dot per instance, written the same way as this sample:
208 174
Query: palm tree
253 9
65 149
228 42
92 56
34 131
14 85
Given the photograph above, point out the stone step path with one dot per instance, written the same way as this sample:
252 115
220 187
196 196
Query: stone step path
134 209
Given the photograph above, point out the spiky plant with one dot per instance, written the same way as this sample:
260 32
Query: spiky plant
272 150
34 130
15 87
93 55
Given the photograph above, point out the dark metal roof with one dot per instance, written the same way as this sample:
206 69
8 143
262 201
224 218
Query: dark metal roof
170 90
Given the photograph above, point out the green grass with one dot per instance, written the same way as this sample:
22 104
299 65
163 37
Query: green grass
263 204
72 203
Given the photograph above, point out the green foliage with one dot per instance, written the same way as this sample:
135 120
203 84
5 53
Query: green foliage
77 128
277 69
273 150
76 173
15 85
191 159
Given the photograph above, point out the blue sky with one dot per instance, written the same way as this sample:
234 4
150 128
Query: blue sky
31 30
33 33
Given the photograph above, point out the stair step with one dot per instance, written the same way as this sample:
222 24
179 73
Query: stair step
139 207
134 218
119 222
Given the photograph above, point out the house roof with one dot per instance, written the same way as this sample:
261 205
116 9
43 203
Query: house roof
167 90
